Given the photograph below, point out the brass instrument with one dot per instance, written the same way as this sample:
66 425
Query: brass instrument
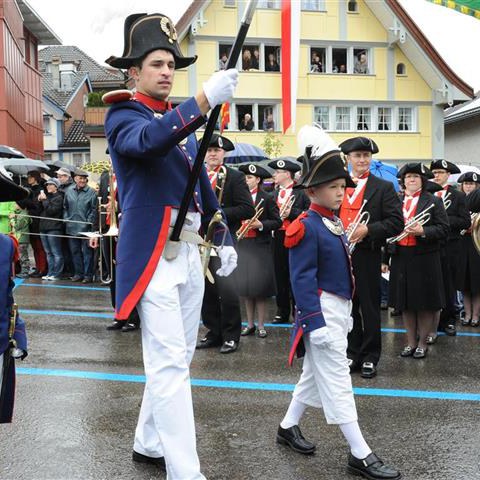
221 180
243 230
362 218
207 246
476 232
286 206
421 218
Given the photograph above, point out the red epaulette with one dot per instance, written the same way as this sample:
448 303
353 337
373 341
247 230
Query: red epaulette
295 232
16 253
116 96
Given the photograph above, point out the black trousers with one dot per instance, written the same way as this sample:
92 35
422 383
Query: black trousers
221 306
449 272
365 340
284 298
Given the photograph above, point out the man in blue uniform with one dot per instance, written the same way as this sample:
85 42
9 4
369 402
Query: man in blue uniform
153 148
323 286
13 340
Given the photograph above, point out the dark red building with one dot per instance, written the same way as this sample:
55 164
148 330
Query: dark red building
21 119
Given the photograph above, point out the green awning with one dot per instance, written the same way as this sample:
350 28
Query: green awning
468 7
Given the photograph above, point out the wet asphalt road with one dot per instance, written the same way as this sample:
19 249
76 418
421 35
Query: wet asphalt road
78 396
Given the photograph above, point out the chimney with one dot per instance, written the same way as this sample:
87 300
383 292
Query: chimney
55 70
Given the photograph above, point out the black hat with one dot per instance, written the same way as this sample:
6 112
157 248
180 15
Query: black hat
444 165
469 177
257 170
144 33
285 163
322 169
10 191
432 187
358 144
418 168
220 141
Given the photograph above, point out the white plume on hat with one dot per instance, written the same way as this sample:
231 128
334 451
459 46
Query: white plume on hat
316 137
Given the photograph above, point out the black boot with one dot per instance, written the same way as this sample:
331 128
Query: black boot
293 438
372 468
138 457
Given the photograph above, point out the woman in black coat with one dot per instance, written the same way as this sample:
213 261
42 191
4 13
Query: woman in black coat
52 208
469 260
416 286
256 278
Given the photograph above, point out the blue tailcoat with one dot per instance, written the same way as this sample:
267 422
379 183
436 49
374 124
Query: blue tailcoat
320 262
7 250
152 157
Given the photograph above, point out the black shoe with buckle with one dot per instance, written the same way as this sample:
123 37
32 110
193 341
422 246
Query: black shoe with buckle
407 351
371 467
475 322
248 331
130 327
279 319
116 325
229 346
353 365
368 370
420 353
208 342
450 330
138 457
293 438
431 339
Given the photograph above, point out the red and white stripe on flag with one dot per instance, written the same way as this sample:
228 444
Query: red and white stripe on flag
290 58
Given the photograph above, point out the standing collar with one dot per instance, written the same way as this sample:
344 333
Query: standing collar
156 105
325 212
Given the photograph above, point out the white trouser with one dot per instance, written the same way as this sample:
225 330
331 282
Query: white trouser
170 316
325 380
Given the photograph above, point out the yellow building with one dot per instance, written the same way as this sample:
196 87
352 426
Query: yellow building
365 68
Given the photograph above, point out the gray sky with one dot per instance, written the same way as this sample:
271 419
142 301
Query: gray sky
96 27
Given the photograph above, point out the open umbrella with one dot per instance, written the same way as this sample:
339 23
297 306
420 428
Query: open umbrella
21 166
55 165
385 171
10 152
245 153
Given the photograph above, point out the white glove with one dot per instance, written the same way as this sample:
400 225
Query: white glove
228 257
220 86
320 336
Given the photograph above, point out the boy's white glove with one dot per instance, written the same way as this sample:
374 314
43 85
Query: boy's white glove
320 336
220 86
228 257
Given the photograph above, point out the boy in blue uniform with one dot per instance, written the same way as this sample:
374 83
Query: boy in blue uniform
153 148
323 286
13 340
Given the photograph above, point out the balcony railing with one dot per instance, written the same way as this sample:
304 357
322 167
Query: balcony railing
95 115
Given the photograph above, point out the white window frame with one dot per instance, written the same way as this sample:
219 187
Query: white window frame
412 117
233 124
392 118
252 43
229 3
350 58
46 118
321 7
370 123
277 4
329 115
350 115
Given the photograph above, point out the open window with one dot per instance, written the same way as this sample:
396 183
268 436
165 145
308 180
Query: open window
339 60
266 118
245 120
250 57
318 58
361 59
223 53
272 58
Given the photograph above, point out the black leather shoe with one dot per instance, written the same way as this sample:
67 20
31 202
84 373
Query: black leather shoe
229 346
279 319
116 325
395 313
372 468
138 457
293 438
420 353
407 351
450 330
248 331
208 343
384 306
354 365
368 370
129 327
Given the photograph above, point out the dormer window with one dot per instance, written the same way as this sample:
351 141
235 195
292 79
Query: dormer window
67 75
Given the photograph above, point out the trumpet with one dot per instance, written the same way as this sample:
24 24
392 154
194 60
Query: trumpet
243 230
221 180
287 206
421 219
362 218
446 201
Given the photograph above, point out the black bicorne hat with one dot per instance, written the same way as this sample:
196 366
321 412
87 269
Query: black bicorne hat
359 144
144 33
10 191
432 187
220 141
256 170
444 165
326 168
285 163
417 167
469 177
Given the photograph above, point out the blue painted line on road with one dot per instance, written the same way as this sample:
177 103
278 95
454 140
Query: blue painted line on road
18 282
256 386
71 287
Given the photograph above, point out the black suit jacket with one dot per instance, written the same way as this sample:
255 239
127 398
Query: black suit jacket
236 201
458 215
473 201
270 217
385 208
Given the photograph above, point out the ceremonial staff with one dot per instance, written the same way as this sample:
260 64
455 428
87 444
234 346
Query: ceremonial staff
197 166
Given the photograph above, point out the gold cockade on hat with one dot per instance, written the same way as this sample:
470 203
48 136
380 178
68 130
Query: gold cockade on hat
168 28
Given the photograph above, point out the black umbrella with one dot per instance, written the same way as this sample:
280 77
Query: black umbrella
21 166
10 152
55 165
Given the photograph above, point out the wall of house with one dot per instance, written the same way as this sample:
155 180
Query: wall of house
76 109
462 142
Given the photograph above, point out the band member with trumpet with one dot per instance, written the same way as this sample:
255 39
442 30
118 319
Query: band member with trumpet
469 258
291 204
256 279
152 148
416 285
221 302
322 282
378 198
459 219
13 340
